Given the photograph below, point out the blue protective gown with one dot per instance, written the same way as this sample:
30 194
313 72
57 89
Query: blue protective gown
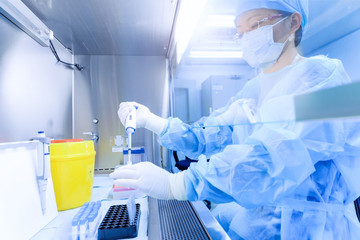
290 180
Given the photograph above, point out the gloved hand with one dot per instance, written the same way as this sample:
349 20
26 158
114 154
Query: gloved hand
240 111
144 118
142 113
151 180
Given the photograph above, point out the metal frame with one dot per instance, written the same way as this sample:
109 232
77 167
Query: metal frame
18 13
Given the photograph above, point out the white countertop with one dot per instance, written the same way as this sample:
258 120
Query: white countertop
60 227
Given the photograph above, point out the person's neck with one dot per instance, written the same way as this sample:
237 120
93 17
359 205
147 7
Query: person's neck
286 59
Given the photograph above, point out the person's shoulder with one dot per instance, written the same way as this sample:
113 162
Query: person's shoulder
324 72
322 63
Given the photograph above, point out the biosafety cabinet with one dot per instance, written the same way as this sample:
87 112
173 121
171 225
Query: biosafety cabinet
64 68
106 52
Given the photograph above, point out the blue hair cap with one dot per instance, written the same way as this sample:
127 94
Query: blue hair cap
300 6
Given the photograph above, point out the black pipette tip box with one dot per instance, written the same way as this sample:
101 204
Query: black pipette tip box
116 223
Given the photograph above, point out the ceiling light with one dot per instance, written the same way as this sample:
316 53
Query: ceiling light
215 54
221 21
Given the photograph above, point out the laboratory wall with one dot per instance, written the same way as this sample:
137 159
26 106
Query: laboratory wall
346 49
35 91
109 80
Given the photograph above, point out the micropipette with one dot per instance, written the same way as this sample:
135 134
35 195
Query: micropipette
130 129
43 171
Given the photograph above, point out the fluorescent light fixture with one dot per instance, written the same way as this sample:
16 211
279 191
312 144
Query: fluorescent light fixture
18 13
188 18
227 21
215 54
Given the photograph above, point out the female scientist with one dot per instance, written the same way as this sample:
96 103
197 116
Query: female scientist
289 180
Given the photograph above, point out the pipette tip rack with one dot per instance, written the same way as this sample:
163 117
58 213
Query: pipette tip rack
116 223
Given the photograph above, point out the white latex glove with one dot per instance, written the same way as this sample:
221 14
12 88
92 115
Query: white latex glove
240 111
142 113
144 118
151 180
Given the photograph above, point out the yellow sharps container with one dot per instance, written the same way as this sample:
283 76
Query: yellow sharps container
72 170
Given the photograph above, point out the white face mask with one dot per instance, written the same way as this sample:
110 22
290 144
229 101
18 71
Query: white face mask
259 48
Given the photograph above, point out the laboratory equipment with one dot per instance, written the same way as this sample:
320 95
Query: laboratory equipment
116 223
144 118
124 192
21 205
130 128
43 167
86 221
94 136
130 204
182 220
137 154
18 13
72 168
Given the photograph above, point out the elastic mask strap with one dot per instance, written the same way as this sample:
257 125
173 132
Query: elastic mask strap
286 41
297 57
280 21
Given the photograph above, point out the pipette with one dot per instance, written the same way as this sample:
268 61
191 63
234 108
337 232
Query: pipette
130 129
43 170
129 161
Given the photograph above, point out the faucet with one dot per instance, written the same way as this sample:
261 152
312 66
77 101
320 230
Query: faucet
94 136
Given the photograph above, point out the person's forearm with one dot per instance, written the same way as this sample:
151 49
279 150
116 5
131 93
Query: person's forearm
156 124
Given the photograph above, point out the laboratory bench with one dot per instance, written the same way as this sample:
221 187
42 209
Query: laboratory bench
159 219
